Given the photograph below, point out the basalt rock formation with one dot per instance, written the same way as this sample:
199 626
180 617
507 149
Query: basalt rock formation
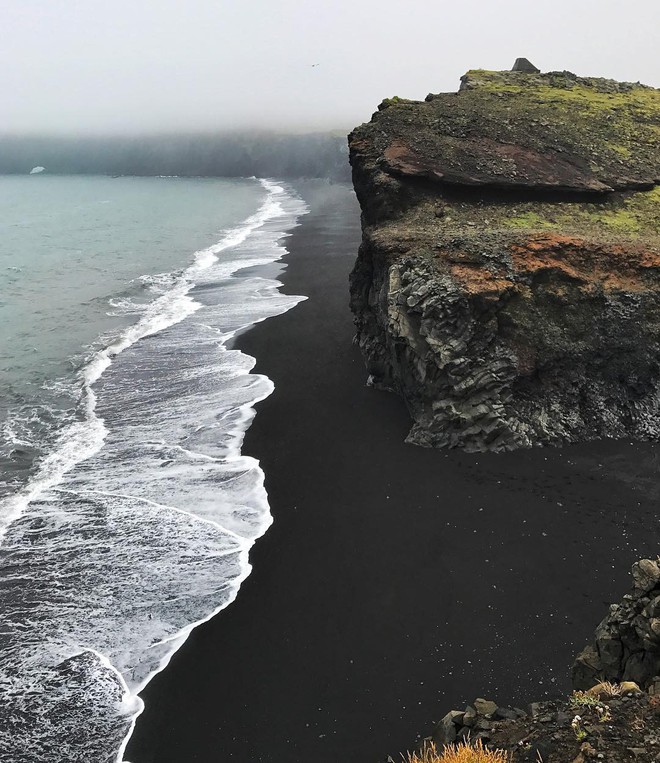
626 646
508 281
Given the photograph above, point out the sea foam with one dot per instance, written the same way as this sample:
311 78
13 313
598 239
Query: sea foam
137 525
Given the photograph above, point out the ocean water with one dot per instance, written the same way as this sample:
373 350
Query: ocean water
126 508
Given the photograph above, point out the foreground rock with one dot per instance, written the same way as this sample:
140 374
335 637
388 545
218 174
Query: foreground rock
627 642
620 726
508 281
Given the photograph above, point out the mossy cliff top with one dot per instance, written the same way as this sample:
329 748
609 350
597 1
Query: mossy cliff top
513 130
515 152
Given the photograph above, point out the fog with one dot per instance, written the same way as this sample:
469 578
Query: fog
144 66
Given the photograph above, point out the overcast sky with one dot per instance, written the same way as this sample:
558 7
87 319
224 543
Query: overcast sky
166 65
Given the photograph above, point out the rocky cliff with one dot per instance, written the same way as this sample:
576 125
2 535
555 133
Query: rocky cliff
508 281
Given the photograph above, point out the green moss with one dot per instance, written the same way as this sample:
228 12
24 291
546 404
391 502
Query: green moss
622 216
622 221
636 214
616 121
652 197
623 151
396 101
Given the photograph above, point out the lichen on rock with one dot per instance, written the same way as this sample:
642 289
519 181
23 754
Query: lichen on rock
507 285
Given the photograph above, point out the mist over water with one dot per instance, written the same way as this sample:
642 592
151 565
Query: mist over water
132 515
216 154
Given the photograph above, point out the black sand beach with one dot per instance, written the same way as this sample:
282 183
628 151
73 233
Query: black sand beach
396 583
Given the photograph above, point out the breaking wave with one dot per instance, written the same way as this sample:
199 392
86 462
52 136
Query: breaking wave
137 523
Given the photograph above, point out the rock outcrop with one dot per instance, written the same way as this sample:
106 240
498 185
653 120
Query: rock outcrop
626 646
474 723
508 281
612 723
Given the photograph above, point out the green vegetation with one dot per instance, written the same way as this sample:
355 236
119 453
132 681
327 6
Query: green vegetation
563 87
582 699
387 103
578 729
634 214
617 122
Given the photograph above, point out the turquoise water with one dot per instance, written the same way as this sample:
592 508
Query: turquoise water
127 510
72 247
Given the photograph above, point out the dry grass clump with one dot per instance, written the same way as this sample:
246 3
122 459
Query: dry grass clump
596 695
608 690
461 753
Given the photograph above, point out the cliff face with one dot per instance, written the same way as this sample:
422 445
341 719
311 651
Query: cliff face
508 281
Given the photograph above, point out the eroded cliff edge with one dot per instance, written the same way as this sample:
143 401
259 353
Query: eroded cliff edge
508 281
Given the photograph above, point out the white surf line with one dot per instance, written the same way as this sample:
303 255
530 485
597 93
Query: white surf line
103 659
183 635
185 597
130 497
270 210
230 458
173 446
77 442
14 506
236 582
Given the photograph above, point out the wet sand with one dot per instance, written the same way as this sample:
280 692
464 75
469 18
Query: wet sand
396 583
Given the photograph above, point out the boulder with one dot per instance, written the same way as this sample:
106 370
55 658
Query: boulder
505 714
646 575
587 669
444 732
485 707
470 716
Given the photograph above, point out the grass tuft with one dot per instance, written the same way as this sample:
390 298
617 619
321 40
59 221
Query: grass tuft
460 753
582 699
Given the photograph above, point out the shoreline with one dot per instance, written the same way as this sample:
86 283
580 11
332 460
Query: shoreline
395 582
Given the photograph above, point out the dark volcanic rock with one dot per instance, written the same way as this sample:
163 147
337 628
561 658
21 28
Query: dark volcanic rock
627 642
619 725
524 65
507 285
